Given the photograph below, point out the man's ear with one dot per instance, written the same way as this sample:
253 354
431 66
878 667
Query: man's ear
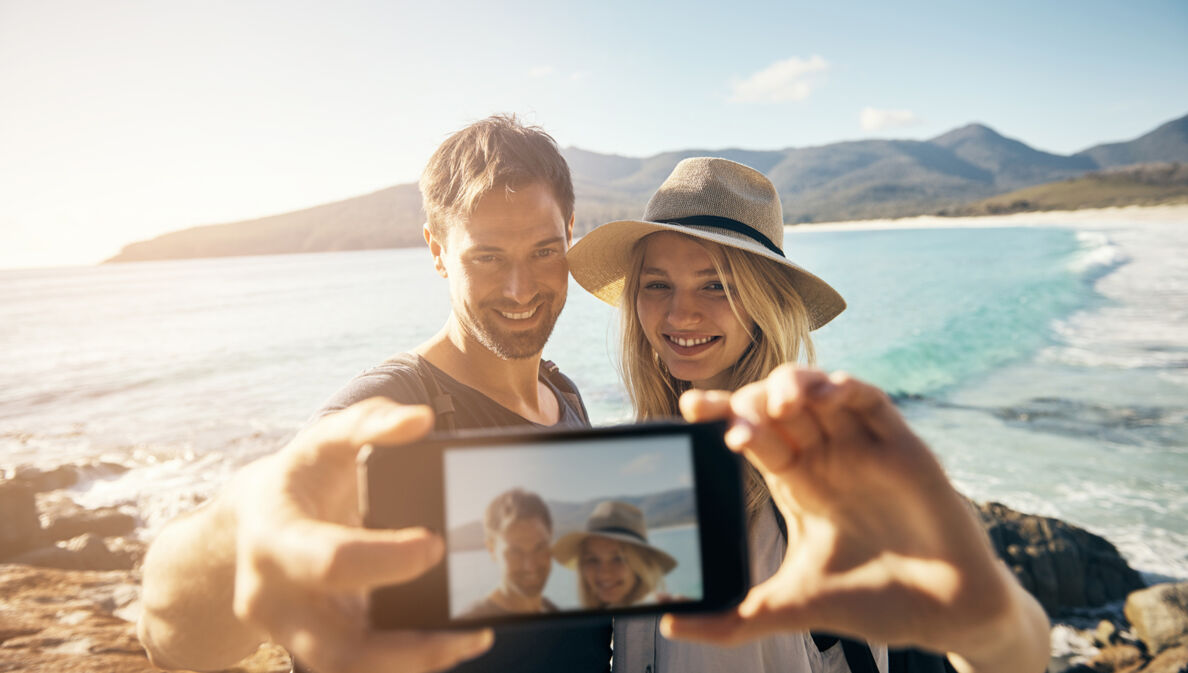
435 249
569 230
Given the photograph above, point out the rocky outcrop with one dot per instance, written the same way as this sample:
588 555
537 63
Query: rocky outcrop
56 621
53 531
1159 615
1063 566
20 529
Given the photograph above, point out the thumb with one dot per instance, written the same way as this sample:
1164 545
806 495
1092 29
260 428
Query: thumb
324 555
766 610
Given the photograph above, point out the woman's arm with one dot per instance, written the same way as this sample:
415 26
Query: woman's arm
880 545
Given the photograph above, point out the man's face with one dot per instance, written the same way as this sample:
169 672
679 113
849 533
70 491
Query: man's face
507 270
523 555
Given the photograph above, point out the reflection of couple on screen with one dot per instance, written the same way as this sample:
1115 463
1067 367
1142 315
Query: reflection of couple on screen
616 566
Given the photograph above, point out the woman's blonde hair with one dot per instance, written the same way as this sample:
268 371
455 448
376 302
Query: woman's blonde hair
755 287
648 575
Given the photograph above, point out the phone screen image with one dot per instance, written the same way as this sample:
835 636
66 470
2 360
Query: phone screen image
576 526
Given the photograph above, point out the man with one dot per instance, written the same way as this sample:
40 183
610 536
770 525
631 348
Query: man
279 555
518 531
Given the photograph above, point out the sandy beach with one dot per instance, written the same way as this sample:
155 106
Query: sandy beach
1090 216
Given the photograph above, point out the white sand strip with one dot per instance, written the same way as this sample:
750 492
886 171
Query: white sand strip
1095 216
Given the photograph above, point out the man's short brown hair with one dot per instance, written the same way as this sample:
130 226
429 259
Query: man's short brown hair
512 506
496 152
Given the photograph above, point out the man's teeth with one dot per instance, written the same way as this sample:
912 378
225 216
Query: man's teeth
685 343
518 316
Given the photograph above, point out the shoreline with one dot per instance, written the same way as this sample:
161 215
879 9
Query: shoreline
1167 214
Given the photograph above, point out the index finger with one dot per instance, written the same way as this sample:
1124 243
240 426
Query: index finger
377 420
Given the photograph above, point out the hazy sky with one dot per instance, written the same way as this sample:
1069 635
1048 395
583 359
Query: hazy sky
122 120
569 472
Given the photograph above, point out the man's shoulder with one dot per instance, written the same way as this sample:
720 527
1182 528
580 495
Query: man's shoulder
399 378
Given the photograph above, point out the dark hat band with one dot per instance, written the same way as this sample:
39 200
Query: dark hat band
716 222
620 531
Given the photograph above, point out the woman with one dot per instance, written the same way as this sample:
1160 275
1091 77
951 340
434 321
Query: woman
709 300
616 565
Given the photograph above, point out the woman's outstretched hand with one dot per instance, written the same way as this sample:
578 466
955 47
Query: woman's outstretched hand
880 545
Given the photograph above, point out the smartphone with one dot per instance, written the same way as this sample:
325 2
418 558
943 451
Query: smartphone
556 525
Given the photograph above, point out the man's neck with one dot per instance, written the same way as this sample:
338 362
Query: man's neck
515 602
513 383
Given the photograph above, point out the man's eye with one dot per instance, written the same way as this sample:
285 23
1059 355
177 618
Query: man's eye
486 259
546 252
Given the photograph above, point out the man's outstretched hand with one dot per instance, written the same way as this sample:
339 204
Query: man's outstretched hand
298 567
880 546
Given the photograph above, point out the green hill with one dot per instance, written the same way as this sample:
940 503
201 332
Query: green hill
1141 185
841 181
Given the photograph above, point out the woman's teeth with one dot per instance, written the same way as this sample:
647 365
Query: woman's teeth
686 343
518 316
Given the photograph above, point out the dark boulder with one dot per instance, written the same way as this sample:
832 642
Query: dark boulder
1063 566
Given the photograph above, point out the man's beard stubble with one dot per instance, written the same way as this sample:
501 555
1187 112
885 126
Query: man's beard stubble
510 344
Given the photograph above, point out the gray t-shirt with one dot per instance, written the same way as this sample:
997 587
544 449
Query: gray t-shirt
399 380
578 648
489 608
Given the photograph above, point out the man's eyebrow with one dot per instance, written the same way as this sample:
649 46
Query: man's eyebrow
549 241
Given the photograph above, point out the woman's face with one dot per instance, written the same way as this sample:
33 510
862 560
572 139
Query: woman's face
605 571
685 314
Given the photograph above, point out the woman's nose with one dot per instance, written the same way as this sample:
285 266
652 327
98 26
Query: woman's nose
683 310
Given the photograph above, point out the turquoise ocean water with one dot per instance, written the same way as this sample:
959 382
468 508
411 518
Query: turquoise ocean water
1047 366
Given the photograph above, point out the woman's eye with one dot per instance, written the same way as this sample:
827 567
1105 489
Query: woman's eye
656 285
716 286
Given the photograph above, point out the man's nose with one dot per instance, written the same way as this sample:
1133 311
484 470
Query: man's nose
520 284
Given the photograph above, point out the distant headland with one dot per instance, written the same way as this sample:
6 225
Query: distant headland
972 170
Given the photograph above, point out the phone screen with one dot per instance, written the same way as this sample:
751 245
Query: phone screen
562 524
579 525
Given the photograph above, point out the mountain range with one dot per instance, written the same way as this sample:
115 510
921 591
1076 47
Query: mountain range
841 181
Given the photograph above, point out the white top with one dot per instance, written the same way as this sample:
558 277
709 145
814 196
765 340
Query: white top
639 647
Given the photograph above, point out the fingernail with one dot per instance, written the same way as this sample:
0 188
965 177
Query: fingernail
822 389
482 642
739 434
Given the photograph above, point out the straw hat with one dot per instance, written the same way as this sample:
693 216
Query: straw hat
615 521
712 199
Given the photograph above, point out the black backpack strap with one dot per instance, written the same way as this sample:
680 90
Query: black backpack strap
565 386
442 402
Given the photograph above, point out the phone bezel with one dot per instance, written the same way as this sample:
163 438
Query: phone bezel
403 486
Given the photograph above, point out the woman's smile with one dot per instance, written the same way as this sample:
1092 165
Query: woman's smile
686 313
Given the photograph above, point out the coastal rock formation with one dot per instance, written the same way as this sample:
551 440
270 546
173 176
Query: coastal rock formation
20 529
1063 566
57 621
1159 615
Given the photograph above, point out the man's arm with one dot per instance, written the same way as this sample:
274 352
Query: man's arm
189 580
880 545
280 556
